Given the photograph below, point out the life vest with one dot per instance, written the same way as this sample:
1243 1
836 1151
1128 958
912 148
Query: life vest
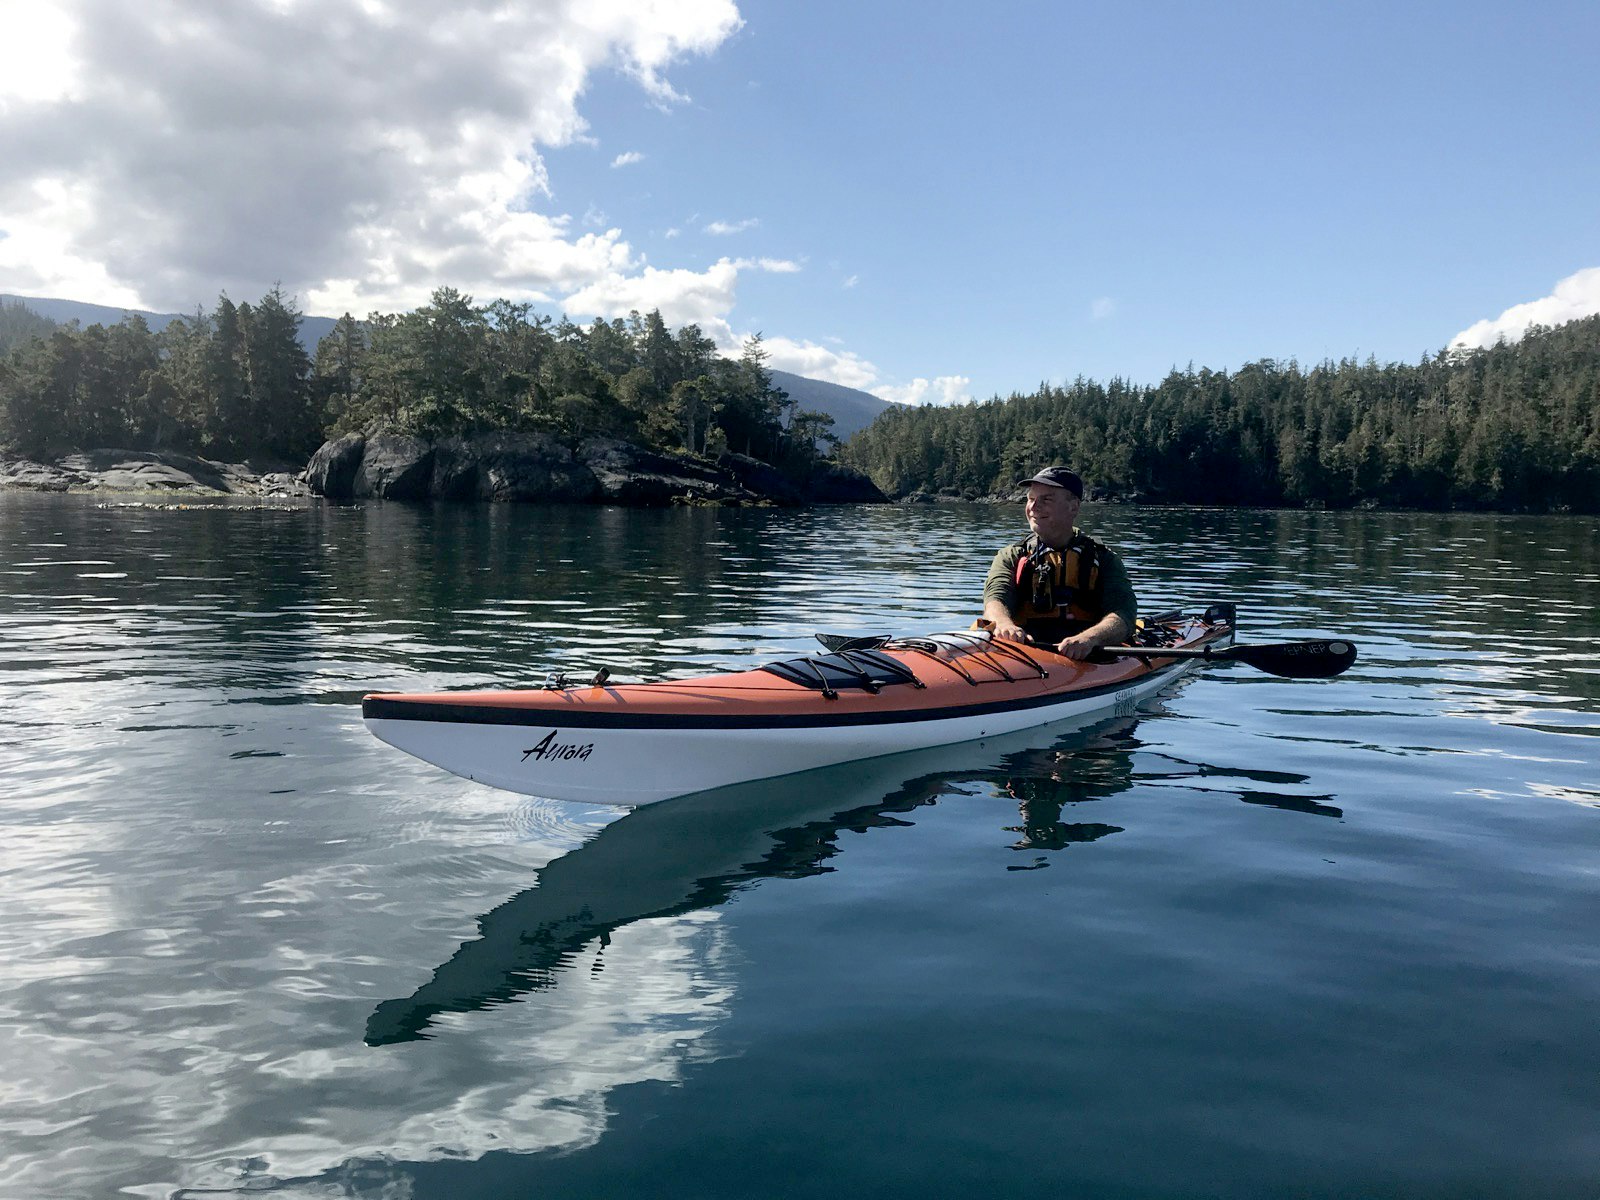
1066 586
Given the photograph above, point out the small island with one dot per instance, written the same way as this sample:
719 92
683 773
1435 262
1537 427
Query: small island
451 401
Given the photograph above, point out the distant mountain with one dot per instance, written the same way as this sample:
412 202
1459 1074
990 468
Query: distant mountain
312 329
850 408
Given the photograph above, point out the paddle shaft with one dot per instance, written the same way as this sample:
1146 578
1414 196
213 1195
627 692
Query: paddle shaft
1293 660
1157 652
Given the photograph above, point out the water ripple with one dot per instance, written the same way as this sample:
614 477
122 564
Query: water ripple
216 885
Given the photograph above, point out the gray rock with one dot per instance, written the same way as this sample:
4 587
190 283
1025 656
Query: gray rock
538 467
510 467
153 471
763 479
456 470
283 485
165 471
394 467
38 477
332 469
113 470
643 478
832 483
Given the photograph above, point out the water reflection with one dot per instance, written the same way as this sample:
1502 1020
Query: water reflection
695 852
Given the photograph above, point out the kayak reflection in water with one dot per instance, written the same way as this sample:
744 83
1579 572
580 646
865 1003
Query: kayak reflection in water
696 852
659 860
1058 587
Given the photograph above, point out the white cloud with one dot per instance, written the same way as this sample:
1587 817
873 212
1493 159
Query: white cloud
1578 295
683 296
36 60
159 153
1102 308
818 362
775 266
945 389
702 297
852 281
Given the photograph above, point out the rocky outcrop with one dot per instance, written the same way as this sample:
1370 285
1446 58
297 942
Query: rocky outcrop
532 467
25 474
540 468
151 471
762 478
833 483
394 467
509 467
332 469
640 478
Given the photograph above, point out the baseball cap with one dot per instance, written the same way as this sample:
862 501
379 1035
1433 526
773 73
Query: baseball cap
1059 477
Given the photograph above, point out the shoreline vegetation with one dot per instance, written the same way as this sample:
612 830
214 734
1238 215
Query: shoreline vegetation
495 402
1511 428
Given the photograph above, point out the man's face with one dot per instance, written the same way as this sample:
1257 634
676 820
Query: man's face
1051 513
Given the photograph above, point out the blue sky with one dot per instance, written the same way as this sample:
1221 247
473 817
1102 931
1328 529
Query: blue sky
928 200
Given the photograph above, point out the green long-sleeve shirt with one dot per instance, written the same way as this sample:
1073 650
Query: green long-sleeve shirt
1000 583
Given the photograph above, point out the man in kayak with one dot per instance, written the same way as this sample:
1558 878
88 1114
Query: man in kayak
1058 587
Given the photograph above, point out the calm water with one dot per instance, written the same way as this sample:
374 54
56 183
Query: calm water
1269 938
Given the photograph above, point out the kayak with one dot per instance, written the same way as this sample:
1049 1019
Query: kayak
630 744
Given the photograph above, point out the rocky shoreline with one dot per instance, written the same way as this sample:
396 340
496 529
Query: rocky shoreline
531 467
499 467
155 472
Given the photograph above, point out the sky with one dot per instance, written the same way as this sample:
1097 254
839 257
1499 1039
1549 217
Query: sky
931 201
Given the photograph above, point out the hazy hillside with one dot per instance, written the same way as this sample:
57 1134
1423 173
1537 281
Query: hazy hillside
312 329
850 408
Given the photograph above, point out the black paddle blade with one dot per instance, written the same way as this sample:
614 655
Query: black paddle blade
835 642
1296 660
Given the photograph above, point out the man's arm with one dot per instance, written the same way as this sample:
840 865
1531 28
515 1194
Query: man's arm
999 595
1001 623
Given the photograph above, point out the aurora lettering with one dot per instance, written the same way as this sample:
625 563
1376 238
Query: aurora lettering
550 748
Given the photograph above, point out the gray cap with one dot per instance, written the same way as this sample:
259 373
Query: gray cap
1059 477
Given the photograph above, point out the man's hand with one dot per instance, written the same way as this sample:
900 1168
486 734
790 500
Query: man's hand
997 619
1010 631
1109 629
1078 647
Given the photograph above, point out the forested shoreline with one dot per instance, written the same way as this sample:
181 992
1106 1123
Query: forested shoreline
237 382
1512 427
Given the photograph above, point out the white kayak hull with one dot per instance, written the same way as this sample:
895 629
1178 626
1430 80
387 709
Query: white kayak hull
631 765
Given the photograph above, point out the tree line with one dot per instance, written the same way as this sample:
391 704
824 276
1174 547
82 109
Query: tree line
1514 426
237 381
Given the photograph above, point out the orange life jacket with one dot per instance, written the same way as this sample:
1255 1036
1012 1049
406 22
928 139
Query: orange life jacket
1061 585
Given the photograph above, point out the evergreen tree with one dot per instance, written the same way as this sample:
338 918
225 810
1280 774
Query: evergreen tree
1511 427
281 421
339 369
20 325
226 426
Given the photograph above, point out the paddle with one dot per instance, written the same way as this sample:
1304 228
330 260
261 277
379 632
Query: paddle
1293 660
